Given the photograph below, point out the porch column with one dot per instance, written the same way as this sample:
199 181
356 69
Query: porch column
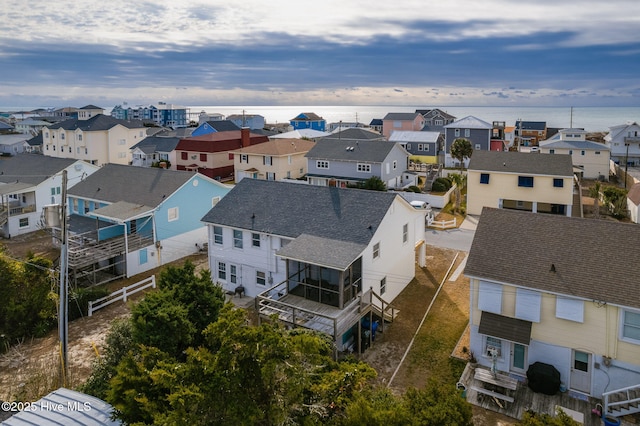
534 207
500 203
126 249
569 210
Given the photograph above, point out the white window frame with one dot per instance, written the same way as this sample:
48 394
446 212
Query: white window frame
376 250
222 271
214 201
238 239
457 133
173 214
492 343
218 235
261 278
25 225
623 318
364 167
267 160
467 133
255 239
383 285
322 164
244 158
405 233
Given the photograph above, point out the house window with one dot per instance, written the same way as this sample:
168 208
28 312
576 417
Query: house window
597 152
457 133
75 205
376 250
237 238
222 271
383 285
217 235
203 157
255 239
395 165
214 201
552 151
366 168
271 176
261 278
244 158
80 137
143 256
558 183
184 156
24 222
569 309
525 181
405 232
122 142
420 147
62 136
54 147
172 214
438 122
484 178
582 152
86 151
233 274
397 124
491 345
477 147
631 325
267 160
467 133
408 147
322 164
570 152
46 135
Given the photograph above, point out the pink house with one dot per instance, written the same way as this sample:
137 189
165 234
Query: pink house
411 121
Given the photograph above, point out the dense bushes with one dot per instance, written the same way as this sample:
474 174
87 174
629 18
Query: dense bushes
442 184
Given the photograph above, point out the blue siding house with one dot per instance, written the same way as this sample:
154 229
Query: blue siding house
308 120
125 220
214 126
477 131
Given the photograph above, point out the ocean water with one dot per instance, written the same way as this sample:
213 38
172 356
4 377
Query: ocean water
592 119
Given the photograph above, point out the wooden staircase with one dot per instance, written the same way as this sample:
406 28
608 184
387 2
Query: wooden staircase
622 402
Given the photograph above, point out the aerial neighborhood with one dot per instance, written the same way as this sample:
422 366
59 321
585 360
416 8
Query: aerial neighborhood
330 228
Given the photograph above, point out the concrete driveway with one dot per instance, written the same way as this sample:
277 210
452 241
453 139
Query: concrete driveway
457 238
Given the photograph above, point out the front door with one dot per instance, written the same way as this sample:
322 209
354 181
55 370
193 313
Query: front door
581 371
518 358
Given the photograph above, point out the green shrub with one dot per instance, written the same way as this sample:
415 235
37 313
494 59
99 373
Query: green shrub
414 188
441 185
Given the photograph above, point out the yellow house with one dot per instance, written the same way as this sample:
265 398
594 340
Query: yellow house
591 159
274 160
537 182
560 291
93 137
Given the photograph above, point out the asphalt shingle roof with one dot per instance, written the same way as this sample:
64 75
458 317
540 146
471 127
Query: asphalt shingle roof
356 133
157 144
521 162
290 210
31 168
401 116
469 122
141 185
593 259
363 150
96 123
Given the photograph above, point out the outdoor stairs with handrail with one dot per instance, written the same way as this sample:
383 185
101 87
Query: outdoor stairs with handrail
622 402
4 216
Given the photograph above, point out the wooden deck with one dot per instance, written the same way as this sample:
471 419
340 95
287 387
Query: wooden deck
525 399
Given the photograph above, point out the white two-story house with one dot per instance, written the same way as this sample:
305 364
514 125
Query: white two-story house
590 159
320 257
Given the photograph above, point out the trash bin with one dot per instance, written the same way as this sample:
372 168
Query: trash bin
611 421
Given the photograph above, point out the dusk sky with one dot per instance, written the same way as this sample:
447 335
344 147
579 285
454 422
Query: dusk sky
349 52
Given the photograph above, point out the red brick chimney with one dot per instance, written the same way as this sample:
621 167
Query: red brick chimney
245 139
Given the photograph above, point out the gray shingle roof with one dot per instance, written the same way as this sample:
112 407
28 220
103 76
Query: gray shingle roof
96 123
157 144
401 116
140 185
363 150
290 210
521 162
356 133
322 251
223 125
531 125
593 259
31 168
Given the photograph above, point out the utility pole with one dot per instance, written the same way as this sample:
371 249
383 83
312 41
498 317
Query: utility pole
63 314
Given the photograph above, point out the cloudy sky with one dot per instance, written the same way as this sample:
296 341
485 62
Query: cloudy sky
329 52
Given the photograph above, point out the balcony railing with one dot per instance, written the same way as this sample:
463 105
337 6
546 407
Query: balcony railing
84 250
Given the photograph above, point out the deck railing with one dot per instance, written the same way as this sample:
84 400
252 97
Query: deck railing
85 251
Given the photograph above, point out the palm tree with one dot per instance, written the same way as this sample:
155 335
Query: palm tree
461 149
458 180
594 192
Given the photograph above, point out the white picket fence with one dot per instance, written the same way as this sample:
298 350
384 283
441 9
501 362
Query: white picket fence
122 294
443 224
